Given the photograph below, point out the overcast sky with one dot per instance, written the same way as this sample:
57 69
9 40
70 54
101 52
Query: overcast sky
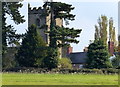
86 13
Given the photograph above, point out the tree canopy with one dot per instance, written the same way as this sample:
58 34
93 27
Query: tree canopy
32 50
98 55
62 11
9 35
101 29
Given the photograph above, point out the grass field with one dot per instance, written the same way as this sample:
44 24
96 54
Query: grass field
58 79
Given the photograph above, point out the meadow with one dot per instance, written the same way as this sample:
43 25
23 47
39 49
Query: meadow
58 79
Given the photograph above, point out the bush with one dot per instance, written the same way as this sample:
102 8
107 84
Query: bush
116 61
64 63
51 60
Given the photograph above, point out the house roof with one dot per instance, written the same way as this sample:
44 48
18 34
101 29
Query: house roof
78 57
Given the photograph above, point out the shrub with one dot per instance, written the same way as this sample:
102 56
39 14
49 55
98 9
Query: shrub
64 63
51 60
116 62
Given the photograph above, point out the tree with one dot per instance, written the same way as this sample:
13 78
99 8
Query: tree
9 35
32 51
97 33
98 55
101 30
8 32
119 43
59 36
112 35
51 60
110 29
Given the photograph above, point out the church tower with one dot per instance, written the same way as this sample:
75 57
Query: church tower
35 16
38 17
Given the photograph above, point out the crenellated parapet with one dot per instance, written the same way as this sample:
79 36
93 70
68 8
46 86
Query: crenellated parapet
36 10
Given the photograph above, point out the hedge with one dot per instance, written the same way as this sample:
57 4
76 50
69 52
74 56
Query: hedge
63 71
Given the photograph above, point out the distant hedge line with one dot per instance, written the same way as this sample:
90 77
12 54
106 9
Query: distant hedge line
63 71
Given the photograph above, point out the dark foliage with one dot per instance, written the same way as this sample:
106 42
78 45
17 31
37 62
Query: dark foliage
51 60
98 56
9 35
32 50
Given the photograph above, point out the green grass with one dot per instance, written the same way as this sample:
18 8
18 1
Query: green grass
58 79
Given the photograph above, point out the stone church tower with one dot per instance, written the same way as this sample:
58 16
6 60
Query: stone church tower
37 17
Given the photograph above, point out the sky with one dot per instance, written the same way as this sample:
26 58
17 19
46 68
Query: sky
87 14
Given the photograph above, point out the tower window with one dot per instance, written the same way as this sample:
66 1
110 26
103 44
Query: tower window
38 22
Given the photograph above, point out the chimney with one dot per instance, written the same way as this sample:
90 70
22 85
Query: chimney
69 50
85 49
111 47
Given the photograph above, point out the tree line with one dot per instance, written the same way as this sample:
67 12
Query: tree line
34 53
98 51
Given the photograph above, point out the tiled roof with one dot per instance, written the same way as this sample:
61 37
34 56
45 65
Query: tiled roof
78 57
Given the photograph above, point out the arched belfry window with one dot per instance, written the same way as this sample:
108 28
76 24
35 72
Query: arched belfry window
38 22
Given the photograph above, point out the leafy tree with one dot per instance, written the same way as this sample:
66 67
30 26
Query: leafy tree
110 29
32 51
119 43
97 33
112 35
98 55
101 30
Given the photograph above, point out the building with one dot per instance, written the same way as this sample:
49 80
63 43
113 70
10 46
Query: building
38 17
78 59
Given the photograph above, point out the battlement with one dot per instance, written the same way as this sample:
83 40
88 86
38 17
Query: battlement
35 10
